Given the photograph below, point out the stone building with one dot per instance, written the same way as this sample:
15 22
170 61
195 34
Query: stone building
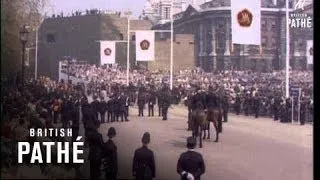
77 36
211 26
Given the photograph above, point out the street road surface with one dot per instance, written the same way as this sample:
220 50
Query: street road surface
249 148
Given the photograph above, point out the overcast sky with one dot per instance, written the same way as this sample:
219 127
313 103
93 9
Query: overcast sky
67 6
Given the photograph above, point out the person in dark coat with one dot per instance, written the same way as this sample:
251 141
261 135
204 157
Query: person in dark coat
143 167
276 108
110 156
159 98
191 164
225 107
95 106
151 103
238 104
256 105
103 106
166 103
95 144
141 102
303 110
110 117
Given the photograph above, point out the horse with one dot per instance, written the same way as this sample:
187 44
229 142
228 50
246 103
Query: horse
198 123
214 115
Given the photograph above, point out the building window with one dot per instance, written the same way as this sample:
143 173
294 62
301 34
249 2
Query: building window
51 38
121 36
167 13
133 38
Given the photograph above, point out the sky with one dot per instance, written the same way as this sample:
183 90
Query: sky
67 6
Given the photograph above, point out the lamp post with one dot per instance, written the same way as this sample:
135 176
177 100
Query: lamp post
24 39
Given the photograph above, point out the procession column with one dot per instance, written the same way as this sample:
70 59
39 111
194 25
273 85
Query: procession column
213 42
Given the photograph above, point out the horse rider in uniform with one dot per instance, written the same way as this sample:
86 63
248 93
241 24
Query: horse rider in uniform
191 164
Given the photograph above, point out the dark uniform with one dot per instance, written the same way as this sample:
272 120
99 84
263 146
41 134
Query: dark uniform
276 107
110 156
160 103
95 144
103 106
95 106
143 167
151 103
256 106
191 163
123 107
238 104
225 107
166 102
141 102
303 111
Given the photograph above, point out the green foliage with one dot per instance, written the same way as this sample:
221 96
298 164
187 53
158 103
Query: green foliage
15 14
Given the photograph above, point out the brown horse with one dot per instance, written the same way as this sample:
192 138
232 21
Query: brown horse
198 123
214 115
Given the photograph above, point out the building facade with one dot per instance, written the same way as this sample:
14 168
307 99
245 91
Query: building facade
211 26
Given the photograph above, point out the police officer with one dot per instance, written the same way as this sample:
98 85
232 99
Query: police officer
123 107
160 102
166 101
95 145
191 164
143 167
151 103
103 106
141 101
95 106
256 105
110 156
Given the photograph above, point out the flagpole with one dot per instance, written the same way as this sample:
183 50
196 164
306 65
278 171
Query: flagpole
171 48
287 49
128 50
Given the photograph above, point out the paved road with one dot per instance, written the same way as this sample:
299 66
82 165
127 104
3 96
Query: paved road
249 148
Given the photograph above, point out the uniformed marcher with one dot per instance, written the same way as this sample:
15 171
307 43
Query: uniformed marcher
159 98
103 106
256 105
151 103
166 102
95 106
191 164
141 102
303 111
238 104
143 167
110 156
225 107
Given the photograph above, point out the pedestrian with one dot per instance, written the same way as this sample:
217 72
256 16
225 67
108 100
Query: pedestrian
191 164
143 167
110 156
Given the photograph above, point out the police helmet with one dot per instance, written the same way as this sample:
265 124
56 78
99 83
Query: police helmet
191 142
111 132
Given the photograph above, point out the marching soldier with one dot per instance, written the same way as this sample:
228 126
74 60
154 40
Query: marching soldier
166 101
95 106
110 156
141 102
160 102
191 164
103 106
143 167
123 107
151 103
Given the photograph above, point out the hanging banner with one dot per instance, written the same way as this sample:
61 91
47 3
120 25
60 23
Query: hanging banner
107 52
145 41
245 20
309 51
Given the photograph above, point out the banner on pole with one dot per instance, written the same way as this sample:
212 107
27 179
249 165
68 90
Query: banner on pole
309 51
107 52
145 41
245 20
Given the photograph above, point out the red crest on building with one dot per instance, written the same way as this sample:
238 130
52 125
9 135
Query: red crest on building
145 44
107 51
245 18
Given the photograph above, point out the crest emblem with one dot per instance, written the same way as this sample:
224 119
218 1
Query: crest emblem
144 45
245 18
107 51
311 51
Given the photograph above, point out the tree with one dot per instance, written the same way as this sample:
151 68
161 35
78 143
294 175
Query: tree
15 14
